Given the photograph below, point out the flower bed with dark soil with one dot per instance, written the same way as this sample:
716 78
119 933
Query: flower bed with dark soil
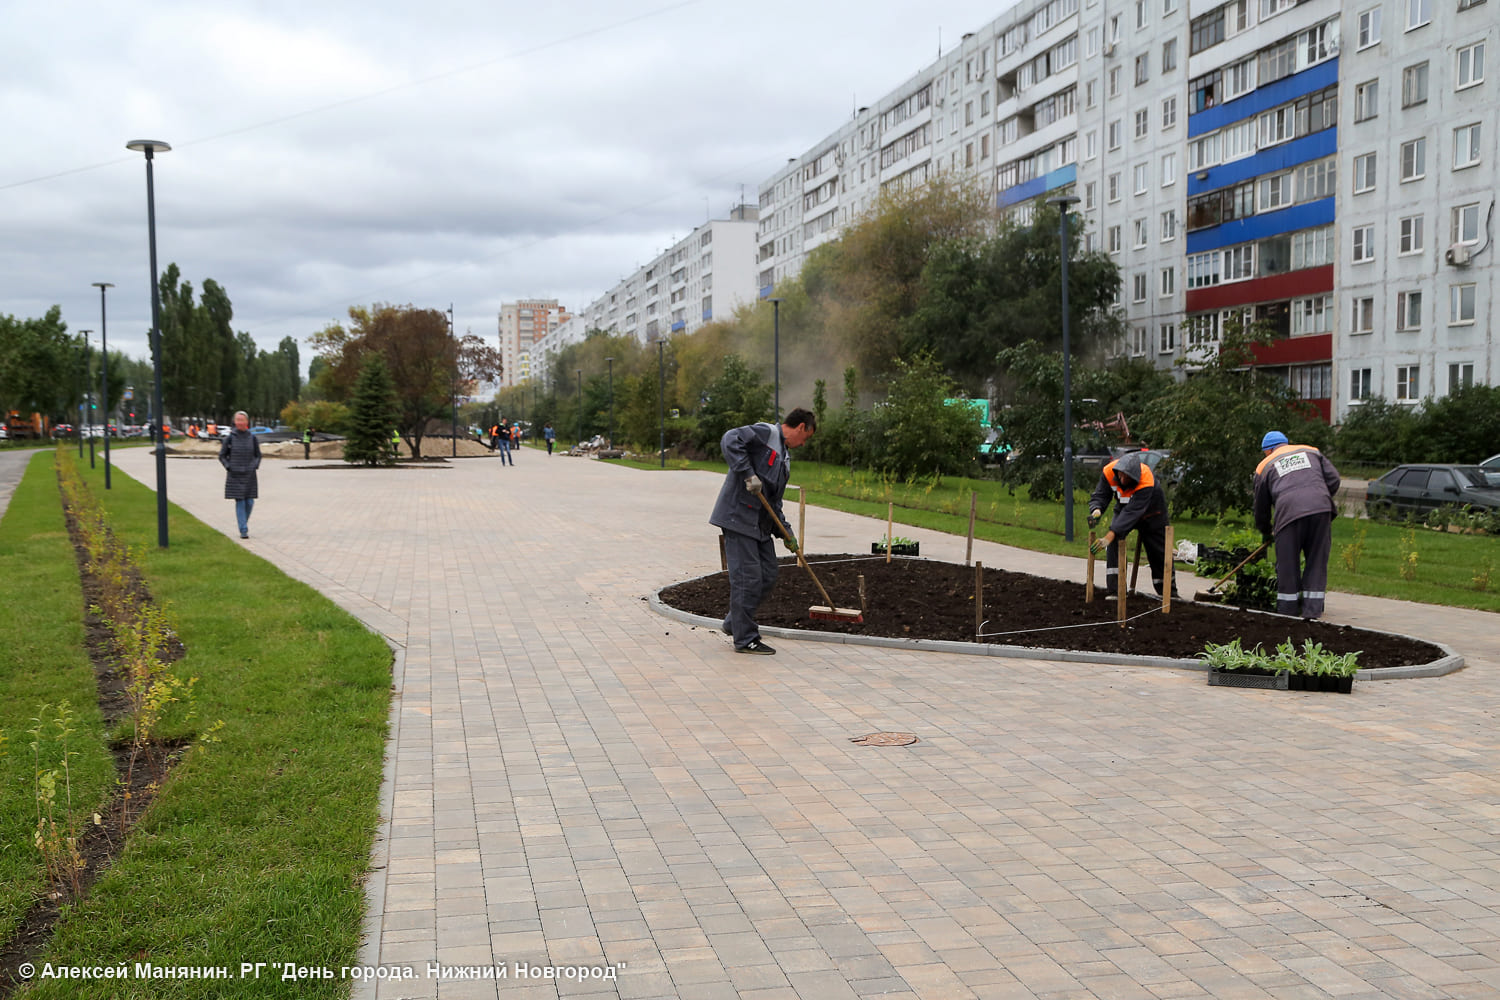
925 599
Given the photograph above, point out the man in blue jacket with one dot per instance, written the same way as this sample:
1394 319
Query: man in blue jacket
759 466
1300 484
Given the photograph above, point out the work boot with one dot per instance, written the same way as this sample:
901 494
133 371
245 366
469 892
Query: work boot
726 628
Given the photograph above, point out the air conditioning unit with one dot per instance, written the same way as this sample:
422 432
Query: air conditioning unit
1459 255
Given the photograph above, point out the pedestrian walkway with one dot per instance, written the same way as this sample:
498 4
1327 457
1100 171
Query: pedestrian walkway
12 467
574 780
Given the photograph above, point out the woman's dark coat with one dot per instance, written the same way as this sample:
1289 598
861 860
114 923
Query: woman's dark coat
240 456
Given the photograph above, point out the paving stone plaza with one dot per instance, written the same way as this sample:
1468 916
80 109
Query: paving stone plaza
575 780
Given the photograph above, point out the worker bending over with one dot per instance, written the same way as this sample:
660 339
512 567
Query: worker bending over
1141 506
1300 484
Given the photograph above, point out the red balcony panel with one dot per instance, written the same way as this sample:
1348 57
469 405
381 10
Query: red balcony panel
1295 350
1292 285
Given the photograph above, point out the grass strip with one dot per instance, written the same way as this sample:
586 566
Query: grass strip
255 850
42 664
1454 570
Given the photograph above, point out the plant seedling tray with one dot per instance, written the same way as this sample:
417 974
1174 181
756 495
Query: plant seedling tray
1278 681
913 549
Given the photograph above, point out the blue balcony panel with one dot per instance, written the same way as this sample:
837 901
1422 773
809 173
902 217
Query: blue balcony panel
1028 190
1280 157
1272 95
1258 227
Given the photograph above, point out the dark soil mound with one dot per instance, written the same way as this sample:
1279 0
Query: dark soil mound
923 599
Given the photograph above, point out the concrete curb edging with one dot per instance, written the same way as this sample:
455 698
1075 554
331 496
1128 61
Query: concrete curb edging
1449 663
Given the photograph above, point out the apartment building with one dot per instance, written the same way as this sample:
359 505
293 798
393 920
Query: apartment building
1416 273
522 324
707 274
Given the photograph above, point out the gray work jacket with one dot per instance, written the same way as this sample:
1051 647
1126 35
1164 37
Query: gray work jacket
758 449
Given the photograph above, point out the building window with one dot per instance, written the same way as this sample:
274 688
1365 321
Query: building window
1408 310
1112 187
1408 381
1168 286
1142 123
1312 248
1168 169
1166 338
1366 97
968 112
1169 55
1089 97
1239 263
1142 68
1363 243
1312 315
1203 269
1413 160
1470 65
1113 239
1466 224
1090 192
1140 340
1168 113
1418 13
1238 79
1204 91
1460 376
1369 27
1204 152
1112 135
1411 235
1461 304
1362 315
1112 80
1364 173
1359 384
1275 192
1142 175
1140 226
1414 85
1169 225
1277 125
1207 31
1465 146
1277 61
1139 287
1170 6
1311 381
1090 145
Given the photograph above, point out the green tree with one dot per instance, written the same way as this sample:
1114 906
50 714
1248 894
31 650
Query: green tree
919 433
372 414
39 365
1379 432
737 397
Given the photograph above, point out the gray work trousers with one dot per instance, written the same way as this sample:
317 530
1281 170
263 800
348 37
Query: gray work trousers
1311 539
752 575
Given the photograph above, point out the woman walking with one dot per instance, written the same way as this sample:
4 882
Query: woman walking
240 456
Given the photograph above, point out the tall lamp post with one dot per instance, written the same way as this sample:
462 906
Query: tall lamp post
776 353
580 406
104 371
611 438
1064 203
151 147
661 401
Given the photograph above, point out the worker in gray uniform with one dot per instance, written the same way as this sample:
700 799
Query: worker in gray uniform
759 466
1300 484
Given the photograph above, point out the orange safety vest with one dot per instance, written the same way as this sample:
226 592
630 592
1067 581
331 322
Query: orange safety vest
1279 452
1147 479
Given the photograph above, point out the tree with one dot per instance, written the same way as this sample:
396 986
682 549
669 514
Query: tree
39 365
318 414
920 434
372 414
428 364
737 397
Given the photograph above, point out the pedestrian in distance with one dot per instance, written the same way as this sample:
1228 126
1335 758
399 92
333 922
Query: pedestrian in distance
240 455
549 434
1299 484
395 443
503 439
1141 506
494 437
759 467
306 443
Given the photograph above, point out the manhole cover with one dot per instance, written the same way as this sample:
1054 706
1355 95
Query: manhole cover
884 740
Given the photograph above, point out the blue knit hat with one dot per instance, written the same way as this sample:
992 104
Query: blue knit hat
1272 439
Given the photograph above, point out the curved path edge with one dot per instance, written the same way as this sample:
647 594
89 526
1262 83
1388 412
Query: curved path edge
1450 662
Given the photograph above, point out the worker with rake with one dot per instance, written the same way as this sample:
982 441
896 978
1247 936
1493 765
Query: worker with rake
1299 483
759 467
1141 506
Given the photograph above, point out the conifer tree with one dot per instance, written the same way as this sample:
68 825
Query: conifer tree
372 415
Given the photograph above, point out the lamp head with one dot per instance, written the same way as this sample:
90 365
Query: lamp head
103 284
148 146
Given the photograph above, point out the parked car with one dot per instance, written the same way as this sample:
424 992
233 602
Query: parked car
1417 489
1491 465
260 429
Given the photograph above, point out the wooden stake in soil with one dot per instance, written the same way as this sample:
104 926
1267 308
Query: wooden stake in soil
861 593
973 507
1171 574
802 517
1088 584
890 527
978 599
1135 571
723 556
1120 590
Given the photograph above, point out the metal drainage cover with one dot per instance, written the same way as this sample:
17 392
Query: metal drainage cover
884 740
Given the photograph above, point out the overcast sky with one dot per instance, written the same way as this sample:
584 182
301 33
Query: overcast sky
333 153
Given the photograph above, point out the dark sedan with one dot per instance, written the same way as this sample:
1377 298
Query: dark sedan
1417 489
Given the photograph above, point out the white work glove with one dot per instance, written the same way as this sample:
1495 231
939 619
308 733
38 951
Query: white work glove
753 484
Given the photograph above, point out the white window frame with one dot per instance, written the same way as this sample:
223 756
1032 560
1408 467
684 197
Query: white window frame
1362 314
1410 76
1168 169
1140 284
1408 311
1142 123
1408 383
1360 385
1366 166
1458 223
1419 159
1168 225
1462 297
1366 100
1418 13
1411 237
1475 54
1467 148
1368 28
1167 283
1168 113
1142 233
1166 338
1362 239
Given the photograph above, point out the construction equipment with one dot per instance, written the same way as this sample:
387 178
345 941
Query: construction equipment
1225 578
828 611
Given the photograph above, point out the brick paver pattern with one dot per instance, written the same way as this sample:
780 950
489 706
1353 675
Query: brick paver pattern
575 780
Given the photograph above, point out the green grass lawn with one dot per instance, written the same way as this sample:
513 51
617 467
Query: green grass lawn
1449 569
255 850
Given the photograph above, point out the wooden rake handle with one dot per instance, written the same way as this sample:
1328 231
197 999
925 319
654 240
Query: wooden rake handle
800 561
1223 579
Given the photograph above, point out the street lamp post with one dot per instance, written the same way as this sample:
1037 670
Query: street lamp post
776 353
611 438
1064 203
151 147
580 406
104 371
661 401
